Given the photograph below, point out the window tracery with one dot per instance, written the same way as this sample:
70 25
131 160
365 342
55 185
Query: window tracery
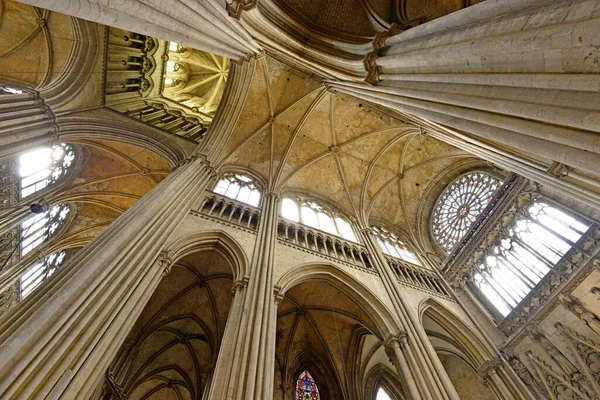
239 187
39 272
306 388
37 229
312 214
392 245
540 236
459 206
44 166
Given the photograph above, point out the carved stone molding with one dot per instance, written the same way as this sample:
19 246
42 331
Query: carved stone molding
240 284
379 49
165 263
236 7
279 296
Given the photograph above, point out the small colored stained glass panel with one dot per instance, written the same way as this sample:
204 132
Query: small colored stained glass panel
306 388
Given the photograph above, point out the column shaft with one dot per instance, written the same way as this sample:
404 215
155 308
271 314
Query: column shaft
200 25
60 340
426 367
245 370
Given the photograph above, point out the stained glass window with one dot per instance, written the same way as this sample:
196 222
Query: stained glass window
306 388
37 229
312 214
44 166
392 246
536 242
39 272
239 187
460 205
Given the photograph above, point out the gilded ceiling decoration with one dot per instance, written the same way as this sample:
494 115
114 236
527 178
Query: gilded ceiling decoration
164 84
195 79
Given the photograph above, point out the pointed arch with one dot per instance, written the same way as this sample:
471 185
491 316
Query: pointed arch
467 339
217 240
382 377
347 284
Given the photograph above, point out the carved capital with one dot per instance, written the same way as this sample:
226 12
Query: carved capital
236 7
113 387
272 195
559 170
278 295
379 49
240 284
398 340
488 368
164 262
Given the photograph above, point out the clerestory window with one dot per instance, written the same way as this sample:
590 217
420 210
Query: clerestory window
459 206
39 272
44 166
239 187
312 214
37 229
391 245
537 240
306 388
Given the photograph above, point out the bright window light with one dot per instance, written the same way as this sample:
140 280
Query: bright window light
44 166
536 242
37 229
314 215
39 272
392 246
239 187
382 395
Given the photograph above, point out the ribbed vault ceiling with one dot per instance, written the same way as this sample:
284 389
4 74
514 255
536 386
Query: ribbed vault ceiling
372 165
110 178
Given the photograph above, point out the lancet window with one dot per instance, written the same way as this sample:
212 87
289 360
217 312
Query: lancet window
538 239
37 229
239 187
44 166
306 388
39 272
459 206
312 214
391 245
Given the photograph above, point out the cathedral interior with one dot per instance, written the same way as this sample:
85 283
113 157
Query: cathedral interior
300 200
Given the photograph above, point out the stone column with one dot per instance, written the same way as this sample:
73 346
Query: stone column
199 24
426 369
490 373
59 342
25 122
503 80
395 347
245 369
